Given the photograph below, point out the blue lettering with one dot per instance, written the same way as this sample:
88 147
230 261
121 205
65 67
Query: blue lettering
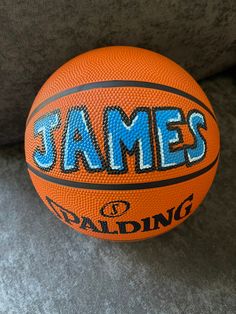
196 120
167 137
44 127
128 135
80 140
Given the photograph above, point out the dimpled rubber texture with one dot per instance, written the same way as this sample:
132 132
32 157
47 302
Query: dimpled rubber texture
84 200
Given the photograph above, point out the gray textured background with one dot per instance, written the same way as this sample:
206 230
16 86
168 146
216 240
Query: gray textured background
48 268
36 37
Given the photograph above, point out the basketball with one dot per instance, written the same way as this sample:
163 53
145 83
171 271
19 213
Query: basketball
122 144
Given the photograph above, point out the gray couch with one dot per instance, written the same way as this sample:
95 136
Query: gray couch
46 267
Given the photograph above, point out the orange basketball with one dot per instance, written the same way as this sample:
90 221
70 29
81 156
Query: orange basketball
122 144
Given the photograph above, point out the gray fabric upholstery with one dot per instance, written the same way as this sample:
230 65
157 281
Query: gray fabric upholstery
37 37
47 268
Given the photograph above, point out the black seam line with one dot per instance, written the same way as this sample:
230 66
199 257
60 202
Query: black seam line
119 83
122 187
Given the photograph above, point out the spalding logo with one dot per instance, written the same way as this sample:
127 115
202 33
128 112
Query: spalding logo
158 221
133 135
115 209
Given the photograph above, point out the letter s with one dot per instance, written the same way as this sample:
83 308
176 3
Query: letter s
197 151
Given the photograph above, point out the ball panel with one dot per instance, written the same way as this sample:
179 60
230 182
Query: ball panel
128 99
70 205
120 63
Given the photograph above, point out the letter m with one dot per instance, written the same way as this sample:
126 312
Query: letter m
128 135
